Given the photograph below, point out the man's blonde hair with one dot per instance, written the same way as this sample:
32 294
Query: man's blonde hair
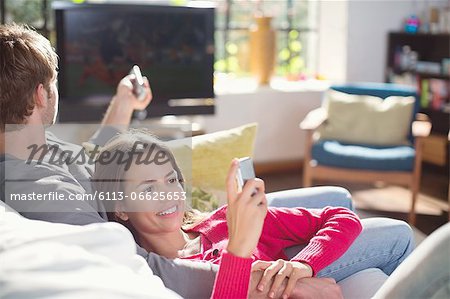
26 60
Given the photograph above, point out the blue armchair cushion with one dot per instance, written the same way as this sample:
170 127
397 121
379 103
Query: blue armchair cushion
368 157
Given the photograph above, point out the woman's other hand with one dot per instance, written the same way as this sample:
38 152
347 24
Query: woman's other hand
279 270
245 213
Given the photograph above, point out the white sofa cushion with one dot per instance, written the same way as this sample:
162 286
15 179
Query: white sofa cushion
363 284
51 260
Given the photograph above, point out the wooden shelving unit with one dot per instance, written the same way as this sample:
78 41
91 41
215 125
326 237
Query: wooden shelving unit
429 48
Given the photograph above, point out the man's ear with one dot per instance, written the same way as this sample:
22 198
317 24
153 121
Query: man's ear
41 96
119 213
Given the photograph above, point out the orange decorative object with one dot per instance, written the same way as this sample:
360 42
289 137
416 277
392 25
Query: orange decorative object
262 49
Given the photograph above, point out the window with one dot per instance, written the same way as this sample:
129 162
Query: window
36 13
295 22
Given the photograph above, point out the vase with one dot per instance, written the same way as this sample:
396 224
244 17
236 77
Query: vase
262 49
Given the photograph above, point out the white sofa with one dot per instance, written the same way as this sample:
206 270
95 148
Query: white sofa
49 260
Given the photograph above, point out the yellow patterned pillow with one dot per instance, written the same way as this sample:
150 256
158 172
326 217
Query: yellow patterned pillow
212 154
205 159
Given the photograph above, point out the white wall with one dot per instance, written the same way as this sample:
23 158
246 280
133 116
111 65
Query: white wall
332 44
368 25
360 35
278 114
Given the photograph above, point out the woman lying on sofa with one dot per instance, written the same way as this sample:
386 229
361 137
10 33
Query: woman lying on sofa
167 228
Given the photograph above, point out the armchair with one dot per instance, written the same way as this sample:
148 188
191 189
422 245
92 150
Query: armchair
335 160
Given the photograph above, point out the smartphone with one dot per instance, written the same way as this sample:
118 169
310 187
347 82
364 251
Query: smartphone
138 84
245 171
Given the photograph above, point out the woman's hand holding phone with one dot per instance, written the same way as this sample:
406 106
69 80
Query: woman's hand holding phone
246 212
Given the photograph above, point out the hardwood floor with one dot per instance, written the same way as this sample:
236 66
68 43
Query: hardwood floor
386 200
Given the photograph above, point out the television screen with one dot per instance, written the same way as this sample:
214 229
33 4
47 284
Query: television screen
99 43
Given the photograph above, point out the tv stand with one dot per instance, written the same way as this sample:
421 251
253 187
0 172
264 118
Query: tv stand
170 126
80 112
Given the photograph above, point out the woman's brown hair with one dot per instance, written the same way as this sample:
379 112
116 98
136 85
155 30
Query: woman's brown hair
109 177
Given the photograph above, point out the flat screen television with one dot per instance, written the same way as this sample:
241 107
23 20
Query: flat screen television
99 43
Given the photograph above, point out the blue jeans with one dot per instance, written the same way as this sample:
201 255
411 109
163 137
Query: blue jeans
383 243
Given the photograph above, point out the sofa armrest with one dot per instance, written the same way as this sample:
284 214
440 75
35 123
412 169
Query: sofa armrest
363 284
311 198
314 119
421 127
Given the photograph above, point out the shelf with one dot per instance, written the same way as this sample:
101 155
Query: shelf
420 34
438 113
433 76
429 48
423 75
435 149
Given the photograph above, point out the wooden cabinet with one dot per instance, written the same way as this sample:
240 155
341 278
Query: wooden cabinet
435 149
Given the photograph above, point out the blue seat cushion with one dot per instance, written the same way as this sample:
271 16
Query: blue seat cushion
337 154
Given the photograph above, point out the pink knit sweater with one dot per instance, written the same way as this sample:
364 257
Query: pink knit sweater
327 234
233 279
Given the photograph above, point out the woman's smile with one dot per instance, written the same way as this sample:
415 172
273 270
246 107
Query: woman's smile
170 212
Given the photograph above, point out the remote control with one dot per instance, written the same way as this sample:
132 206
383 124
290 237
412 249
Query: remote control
138 83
